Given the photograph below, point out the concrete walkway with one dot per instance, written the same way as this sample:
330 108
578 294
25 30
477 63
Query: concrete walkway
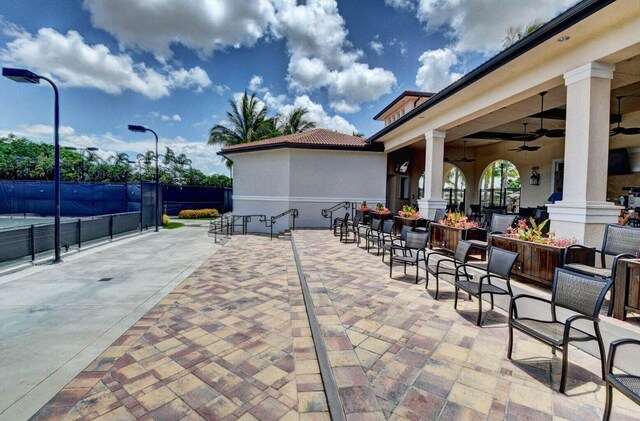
55 320
233 342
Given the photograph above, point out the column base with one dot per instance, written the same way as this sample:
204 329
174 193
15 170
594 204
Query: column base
428 207
584 221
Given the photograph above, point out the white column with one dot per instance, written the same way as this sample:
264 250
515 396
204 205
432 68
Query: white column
433 167
584 211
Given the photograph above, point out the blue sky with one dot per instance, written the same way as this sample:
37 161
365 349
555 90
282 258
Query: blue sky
174 65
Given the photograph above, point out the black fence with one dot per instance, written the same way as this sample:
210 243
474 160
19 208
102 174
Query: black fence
178 198
34 242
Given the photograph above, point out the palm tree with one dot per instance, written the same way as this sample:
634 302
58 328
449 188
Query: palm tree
516 33
248 122
294 122
169 156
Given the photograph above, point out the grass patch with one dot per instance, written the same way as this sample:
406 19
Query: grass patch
174 225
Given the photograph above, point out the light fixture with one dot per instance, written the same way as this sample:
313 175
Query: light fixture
534 180
564 38
142 129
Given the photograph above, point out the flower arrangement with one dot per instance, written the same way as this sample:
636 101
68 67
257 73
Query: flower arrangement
409 212
364 207
458 220
531 231
381 209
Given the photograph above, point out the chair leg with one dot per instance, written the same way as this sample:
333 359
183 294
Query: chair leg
492 302
601 349
565 367
510 349
608 403
612 295
479 321
455 299
426 278
390 265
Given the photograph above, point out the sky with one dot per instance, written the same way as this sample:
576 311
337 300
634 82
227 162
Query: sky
173 66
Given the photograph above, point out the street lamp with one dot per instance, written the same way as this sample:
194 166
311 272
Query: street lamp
82 150
26 76
142 129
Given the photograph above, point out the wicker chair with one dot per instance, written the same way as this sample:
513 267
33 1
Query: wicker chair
618 241
459 258
337 222
348 226
389 241
499 225
578 293
498 266
628 384
409 253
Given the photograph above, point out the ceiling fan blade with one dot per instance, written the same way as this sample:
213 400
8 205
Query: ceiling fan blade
555 133
531 148
631 130
616 130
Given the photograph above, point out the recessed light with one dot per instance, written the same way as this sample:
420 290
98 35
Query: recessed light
564 38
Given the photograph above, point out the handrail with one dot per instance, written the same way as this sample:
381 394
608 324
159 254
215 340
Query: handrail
328 213
269 223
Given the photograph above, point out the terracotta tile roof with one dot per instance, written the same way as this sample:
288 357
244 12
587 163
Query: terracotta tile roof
311 139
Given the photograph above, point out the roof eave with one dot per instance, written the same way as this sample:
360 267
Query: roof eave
365 148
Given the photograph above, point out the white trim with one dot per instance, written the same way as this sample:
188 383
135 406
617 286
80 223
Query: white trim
584 212
435 134
306 199
589 70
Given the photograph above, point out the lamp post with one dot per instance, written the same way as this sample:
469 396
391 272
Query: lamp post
82 150
26 76
142 129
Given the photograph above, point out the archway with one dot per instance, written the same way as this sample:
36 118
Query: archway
500 185
454 189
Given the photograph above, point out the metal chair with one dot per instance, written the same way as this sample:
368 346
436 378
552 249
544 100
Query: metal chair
337 222
395 240
349 226
372 233
498 266
409 253
578 293
386 230
499 225
459 258
618 241
628 384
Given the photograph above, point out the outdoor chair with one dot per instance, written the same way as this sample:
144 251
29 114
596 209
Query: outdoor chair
499 225
389 241
498 266
582 295
349 226
372 233
476 213
386 230
409 253
364 229
460 257
618 241
337 222
628 384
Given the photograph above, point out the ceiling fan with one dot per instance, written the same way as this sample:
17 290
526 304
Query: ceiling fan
541 132
526 138
464 154
622 130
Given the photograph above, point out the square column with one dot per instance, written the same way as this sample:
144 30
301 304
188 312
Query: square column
433 167
584 211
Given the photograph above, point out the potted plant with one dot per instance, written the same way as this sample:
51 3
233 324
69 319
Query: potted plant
409 212
446 232
458 220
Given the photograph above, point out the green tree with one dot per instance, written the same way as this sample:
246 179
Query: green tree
295 122
516 33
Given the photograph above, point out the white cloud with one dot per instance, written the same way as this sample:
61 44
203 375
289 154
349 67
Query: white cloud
401 4
255 84
321 56
435 71
46 130
201 25
74 63
174 117
376 46
221 89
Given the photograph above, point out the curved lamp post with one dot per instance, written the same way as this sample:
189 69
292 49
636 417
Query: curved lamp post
142 129
26 76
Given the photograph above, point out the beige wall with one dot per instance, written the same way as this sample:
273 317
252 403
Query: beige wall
416 168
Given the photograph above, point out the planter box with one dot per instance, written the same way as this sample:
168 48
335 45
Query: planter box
446 238
365 216
400 221
378 215
536 262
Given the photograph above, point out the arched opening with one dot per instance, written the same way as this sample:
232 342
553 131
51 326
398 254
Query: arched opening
454 189
500 186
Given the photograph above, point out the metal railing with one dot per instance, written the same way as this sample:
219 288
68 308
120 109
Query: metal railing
32 242
293 215
328 213
227 224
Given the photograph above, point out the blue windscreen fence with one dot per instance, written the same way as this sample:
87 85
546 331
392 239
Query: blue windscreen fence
177 198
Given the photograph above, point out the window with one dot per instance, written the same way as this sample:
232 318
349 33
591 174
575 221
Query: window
404 187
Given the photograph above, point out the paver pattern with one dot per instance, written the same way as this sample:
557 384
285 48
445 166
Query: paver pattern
233 342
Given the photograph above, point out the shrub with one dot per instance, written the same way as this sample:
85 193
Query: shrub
197 213
165 220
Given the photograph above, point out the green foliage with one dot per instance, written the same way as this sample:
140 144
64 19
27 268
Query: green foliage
516 33
165 220
197 213
22 159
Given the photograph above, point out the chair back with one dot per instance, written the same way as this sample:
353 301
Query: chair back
375 224
356 220
501 262
583 294
404 231
462 251
387 226
475 209
501 223
620 239
416 240
440 214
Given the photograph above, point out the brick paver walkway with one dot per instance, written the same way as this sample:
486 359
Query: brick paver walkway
233 342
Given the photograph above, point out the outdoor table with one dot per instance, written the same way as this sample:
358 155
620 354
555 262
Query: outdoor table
627 286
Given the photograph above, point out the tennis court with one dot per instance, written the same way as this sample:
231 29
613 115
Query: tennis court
21 221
